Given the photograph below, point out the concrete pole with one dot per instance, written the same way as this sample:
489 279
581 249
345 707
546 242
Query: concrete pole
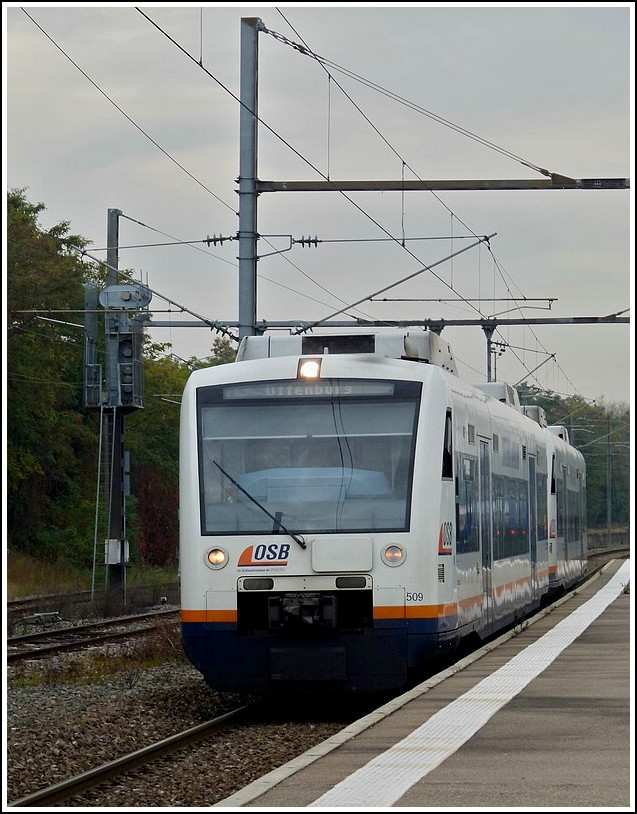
114 440
488 332
248 130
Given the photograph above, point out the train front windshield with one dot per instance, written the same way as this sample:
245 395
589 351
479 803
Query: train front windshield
327 456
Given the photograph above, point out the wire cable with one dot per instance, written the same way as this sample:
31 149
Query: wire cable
411 105
290 147
305 50
134 123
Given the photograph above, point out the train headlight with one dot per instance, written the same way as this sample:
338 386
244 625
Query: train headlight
309 369
394 555
216 558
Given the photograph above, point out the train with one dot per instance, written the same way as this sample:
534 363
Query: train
351 511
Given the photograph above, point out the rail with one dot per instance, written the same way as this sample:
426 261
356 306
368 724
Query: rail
67 788
80 635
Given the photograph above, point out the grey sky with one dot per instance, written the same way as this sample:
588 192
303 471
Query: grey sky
550 84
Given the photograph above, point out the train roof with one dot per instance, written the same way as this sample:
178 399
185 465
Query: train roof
508 395
416 346
560 431
502 392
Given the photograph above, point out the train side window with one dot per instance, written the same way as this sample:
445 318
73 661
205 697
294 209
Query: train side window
447 449
542 518
466 505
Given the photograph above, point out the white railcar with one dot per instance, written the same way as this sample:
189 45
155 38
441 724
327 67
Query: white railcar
350 509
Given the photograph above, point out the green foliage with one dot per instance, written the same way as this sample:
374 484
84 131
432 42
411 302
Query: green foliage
52 439
152 436
50 443
602 434
222 352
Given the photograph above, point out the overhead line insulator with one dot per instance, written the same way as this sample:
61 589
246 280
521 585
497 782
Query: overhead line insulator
308 241
217 239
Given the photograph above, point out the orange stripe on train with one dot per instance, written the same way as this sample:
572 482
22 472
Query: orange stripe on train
208 616
415 611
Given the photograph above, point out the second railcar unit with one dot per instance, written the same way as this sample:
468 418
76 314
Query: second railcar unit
567 511
350 509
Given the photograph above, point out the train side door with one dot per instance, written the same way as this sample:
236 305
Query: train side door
533 526
582 519
485 504
566 515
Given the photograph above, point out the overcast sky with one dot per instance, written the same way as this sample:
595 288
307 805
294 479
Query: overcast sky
104 110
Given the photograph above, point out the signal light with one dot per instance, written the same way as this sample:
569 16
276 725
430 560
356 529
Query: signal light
129 369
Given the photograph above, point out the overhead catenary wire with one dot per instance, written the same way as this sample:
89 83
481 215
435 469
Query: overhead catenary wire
392 285
306 51
132 121
214 324
289 146
235 265
194 244
389 145
200 61
154 142
411 105
403 165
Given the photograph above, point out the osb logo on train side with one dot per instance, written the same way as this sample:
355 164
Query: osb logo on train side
445 539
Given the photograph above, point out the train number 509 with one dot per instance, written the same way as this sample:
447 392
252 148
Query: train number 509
414 597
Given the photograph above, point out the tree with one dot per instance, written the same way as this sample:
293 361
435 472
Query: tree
52 439
50 445
222 351
602 433
152 435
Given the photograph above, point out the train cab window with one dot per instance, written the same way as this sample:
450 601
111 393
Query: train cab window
328 456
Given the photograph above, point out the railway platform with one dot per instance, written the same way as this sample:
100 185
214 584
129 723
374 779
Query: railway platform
542 717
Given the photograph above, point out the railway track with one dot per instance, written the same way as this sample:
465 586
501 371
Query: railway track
76 637
43 602
598 557
87 780
88 604
255 713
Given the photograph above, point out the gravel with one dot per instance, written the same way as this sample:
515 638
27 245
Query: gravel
58 729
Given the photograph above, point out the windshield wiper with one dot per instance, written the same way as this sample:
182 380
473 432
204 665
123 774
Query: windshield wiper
277 518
